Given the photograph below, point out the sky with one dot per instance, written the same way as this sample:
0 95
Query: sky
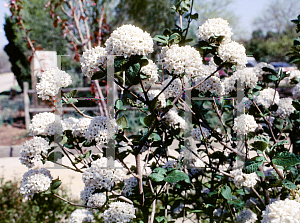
246 10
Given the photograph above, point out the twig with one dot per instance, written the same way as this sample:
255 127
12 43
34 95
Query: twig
71 203
122 197
259 197
80 112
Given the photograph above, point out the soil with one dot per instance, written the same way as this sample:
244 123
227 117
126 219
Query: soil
14 134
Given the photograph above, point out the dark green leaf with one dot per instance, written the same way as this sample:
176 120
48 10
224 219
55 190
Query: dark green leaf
176 176
253 164
55 184
54 156
160 170
99 75
72 93
286 159
119 104
289 185
161 219
226 193
279 144
122 122
260 174
156 177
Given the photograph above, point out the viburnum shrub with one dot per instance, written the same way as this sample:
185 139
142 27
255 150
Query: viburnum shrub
233 161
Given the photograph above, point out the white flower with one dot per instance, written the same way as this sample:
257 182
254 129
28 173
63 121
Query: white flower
206 70
173 119
282 211
51 80
197 135
233 52
181 59
214 28
129 40
129 184
244 180
213 84
174 89
35 181
294 74
244 104
81 216
45 124
79 129
259 72
92 59
100 175
151 71
96 200
99 130
228 84
266 96
119 212
69 123
285 108
32 150
296 91
247 76
246 216
244 124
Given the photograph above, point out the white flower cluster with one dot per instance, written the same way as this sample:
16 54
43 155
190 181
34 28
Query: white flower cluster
285 108
233 52
206 70
296 91
244 124
244 180
92 59
282 211
129 184
81 216
228 84
45 124
265 97
259 72
214 28
188 155
69 123
173 89
79 129
173 119
213 84
151 71
294 74
35 181
100 175
181 59
119 212
96 200
52 79
197 135
129 40
100 129
246 216
247 76
244 104
32 150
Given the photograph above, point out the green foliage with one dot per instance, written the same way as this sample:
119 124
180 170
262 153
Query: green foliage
286 159
252 165
43 208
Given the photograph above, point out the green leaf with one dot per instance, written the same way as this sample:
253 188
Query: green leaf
252 165
161 219
122 122
132 73
147 121
226 193
99 75
54 156
286 159
72 93
194 16
296 105
160 170
289 185
155 137
260 143
119 104
176 176
273 77
55 184
156 177
175 37
279 143
260 174
71 100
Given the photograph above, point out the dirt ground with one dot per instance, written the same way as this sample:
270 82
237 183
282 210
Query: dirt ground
14 134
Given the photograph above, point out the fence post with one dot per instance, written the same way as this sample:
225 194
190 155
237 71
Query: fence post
26 104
